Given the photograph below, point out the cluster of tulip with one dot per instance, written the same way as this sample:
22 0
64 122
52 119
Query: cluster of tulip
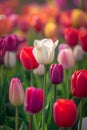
63 103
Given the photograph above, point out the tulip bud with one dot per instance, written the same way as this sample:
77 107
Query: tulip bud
71 36
27 58
79 83
66 58
2 50
11 42
56 73
40 70
34 100
62 46
50 29
10 59
83 39
78 52
16 92
64 113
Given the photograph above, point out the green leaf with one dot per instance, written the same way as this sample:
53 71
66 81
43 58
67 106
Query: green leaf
23 126
6 128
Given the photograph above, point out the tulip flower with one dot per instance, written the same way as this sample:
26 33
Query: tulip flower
77 17
2 50
71 36
36 23
16 92
50 30
16 96
56 73
78 52
44 50
64 113
40 70
79 88
10 59
63 46
66 58
27 58
83 39
79 83
34 100
11 42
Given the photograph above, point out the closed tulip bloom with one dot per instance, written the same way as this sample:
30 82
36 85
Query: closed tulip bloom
40 70
83 39
16 92
10 59
71 36
34 100
11 42
27 58
2 50
79 83
66 58
56 73
44 50
63 46
64 113
78 52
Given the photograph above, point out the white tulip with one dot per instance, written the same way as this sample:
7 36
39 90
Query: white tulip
40 70
84 124
10 59
44 50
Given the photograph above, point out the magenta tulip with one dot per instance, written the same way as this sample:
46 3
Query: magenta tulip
34 100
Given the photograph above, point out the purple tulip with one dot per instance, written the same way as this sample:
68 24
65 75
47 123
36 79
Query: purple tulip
56 73
2 50
34 100
11 42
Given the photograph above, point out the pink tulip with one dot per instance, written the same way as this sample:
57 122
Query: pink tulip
66 58
16 92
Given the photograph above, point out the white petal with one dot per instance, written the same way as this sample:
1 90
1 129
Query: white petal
37 44
55 44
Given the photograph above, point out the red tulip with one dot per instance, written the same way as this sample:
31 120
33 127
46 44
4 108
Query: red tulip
83 39
64 113
27 58
34 100
36 23
79 83
56 73
71 36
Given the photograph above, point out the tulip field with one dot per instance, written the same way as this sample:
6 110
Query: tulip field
43 65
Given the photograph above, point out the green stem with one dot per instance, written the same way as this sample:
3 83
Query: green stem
16 119
55 93
31 78
81 114
30 122
66 80
30 126
35 122
43 112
